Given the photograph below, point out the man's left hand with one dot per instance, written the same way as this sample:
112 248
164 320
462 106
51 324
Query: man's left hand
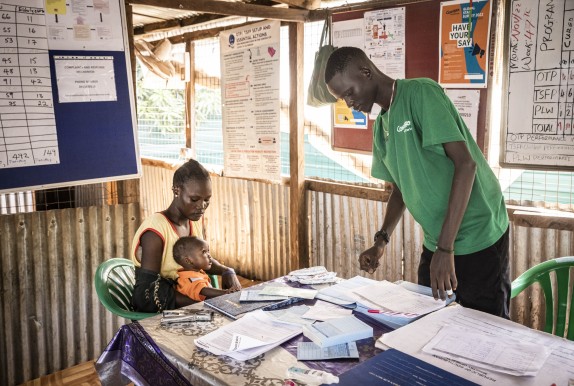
442 275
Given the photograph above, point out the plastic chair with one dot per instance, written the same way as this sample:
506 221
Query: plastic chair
115 279
540 274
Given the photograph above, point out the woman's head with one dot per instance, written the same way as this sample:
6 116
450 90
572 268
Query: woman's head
191 189
192 253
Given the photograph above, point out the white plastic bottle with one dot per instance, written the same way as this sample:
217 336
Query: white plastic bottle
311 377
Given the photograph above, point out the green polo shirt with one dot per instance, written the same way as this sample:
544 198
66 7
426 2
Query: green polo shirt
408 151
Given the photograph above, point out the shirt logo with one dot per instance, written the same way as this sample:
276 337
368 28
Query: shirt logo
404 127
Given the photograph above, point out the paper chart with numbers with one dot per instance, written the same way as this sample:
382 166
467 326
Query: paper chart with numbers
27 123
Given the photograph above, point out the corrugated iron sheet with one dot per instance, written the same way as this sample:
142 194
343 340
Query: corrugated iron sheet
50 315
247 221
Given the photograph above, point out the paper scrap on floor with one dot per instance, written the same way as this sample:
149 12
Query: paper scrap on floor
289 291
256 330
392 297
309 351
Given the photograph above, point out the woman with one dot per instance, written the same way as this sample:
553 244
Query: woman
152 246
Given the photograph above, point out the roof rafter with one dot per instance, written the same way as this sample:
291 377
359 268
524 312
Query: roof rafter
229 8
305 4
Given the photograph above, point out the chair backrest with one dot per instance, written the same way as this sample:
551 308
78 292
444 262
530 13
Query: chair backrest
559 299
114 280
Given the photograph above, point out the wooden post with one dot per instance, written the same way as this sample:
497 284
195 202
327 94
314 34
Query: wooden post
298 224
190 100
129 190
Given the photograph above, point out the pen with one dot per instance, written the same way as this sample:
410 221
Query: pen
405 314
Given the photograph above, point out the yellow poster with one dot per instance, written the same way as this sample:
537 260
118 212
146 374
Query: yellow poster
56 7
463 51
347 117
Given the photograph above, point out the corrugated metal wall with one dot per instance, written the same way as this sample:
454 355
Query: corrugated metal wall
342 227
50 315
247 221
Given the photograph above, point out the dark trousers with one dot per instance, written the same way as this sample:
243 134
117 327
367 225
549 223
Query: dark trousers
483 277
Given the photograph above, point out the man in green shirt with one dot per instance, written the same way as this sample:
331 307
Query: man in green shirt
423 148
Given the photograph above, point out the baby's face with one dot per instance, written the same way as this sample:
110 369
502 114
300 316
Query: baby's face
200 256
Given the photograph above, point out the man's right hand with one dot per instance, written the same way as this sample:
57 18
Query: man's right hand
369 259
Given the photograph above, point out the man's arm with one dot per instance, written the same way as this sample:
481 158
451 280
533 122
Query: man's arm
442 273
369 259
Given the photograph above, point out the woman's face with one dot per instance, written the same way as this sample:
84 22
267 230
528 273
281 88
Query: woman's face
192 199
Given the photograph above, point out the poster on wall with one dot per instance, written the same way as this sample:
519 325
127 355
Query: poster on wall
250 98
463 43
384 35
466 103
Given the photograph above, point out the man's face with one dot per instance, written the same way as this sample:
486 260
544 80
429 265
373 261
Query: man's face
355 87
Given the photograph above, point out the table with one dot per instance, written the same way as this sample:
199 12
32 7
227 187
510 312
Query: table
146 353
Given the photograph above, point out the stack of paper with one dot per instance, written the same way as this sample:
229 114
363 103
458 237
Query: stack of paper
312 275
338 331
394 305
479 342
503 354
248 337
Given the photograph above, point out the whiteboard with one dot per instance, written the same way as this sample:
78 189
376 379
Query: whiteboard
67 110
538 130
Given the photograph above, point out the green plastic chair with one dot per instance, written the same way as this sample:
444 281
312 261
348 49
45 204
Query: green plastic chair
540 274
115 279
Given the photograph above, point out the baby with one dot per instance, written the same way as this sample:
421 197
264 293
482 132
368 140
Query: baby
192 254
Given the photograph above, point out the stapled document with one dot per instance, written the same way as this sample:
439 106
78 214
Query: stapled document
309 351
337 331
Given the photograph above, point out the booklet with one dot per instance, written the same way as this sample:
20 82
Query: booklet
338 331
231 305
397 368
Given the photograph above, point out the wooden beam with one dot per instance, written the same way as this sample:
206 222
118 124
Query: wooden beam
348 190
190 100
540 218
167 25
298 224
305 4
229 8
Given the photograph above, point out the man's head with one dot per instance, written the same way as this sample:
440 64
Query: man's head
192 253
348 76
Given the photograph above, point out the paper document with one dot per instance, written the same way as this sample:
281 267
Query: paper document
395 298
325 311
291 315
309 351
289 291
254 326
558 367
341 293
500 353
255 296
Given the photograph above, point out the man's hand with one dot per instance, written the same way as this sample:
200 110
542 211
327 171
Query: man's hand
442 275
369 259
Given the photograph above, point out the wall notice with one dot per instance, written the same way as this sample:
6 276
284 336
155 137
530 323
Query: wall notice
541 85
251 104
463 44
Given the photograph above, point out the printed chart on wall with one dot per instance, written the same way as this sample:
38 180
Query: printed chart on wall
28 133
463 45
538 131
250 96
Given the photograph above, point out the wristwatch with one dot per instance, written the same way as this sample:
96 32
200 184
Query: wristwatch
382 233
